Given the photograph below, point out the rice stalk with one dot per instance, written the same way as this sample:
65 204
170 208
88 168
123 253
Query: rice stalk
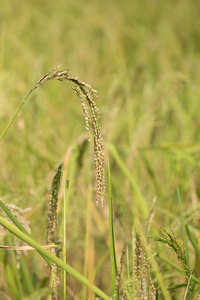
115 287
91 112
171 240
119 273
141 285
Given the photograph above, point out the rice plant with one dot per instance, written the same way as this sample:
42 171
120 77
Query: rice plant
86 95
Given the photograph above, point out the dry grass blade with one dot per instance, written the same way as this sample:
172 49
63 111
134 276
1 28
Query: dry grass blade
27 248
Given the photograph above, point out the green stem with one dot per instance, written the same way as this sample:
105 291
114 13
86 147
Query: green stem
183 227
64 238
112 239
50 286
53 258
15 115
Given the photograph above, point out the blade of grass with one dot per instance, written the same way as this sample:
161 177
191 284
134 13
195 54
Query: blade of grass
15 270
26 276
12 285
112 238
133 258
141 203
49 294
192 240
183 227
64 234
53 258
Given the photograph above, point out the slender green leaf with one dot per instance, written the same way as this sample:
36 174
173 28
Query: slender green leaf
112 238
12 284
26 276
183 227
15 270
194 243
140 201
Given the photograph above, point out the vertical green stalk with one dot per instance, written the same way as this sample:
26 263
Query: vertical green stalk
11 280
15 269
112 239
50 285
183 229
64 233
133 258
26 276
88 249
128 259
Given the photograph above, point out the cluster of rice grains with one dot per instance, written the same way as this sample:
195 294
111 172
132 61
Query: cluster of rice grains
141 285
92 114
171 240
52 228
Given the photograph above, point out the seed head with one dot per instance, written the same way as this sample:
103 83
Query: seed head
91 112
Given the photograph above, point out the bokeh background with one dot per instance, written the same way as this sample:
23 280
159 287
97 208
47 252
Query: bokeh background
143 58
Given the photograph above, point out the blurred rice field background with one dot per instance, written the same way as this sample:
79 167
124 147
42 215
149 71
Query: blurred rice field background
143 58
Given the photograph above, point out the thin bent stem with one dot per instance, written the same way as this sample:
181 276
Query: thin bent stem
15 115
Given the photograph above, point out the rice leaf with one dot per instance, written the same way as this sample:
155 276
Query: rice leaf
183 227
112 238
141 203
192 240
